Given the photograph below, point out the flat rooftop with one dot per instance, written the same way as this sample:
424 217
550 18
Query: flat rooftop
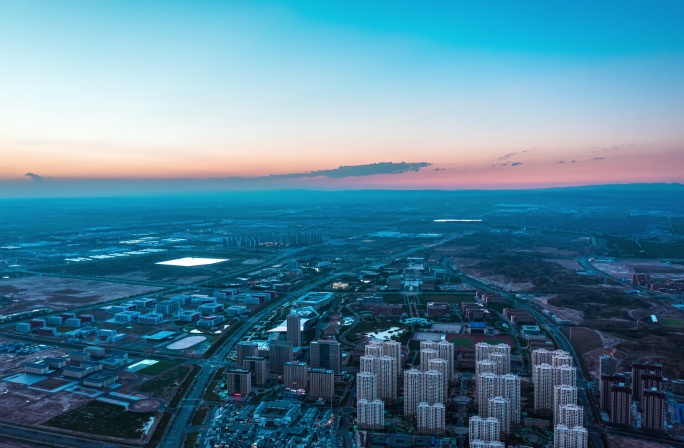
193 261
160 336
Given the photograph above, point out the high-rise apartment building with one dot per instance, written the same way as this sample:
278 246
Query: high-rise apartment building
562 395
653 405
561 358
294 329
295 376
486 429
425 356
369 363
541 356
238 382
487 387
565 375
621 404
650 381
566 437
428 345
257 368
245 348
322 384
366 386
606 383
543 389
500 409
570 415
509 388
371 414
387 384
501 361
385 370
446 351
499 354
546 377
441 365
607 365
639 369
279 352
374 348
485 366
326 354
393 349
433 387
431 418
412 391
422 387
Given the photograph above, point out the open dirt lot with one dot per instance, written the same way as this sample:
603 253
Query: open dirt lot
625 268
627 442
58 293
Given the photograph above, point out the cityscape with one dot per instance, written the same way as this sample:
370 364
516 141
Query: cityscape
356 320
327 224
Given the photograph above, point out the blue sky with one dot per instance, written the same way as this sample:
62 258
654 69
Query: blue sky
166 89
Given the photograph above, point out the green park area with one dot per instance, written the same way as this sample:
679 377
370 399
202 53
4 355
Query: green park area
671 322
462 342
103 419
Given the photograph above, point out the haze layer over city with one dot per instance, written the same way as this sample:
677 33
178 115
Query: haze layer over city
327 224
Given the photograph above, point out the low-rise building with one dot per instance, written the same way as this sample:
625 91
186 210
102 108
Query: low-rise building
55 320
101 379
55 363
73 322
126 316
47 331
95 352
210 321
210 308
76 355
36 368
23 327
236 310
94 366
276 413
189 316
437 309
145 302
151 318
169 306
75 372
114 363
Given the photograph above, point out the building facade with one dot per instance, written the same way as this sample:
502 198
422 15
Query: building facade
326 354
371 414
294 332
431 418
238 382
279 352
295 375
322 384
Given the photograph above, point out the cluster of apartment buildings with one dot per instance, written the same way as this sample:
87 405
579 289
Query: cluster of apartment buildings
315 379
666 286
497 396
632 399
555 394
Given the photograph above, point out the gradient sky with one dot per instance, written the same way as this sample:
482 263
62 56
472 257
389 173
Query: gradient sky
492 94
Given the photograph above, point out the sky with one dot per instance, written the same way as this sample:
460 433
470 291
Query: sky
494 94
